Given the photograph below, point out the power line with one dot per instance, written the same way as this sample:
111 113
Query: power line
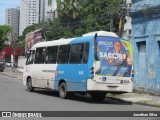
83 23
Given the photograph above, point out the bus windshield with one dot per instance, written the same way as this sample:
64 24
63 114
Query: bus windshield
115 56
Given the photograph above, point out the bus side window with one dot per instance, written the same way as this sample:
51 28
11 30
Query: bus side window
76 53
31 58
86 53
51 56
63 56
40 55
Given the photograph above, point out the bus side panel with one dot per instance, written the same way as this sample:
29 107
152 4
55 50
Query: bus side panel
76 75
42 75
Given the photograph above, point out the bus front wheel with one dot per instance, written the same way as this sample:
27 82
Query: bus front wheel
98 96
29 85
63 90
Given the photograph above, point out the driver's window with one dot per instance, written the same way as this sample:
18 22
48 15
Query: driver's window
31 57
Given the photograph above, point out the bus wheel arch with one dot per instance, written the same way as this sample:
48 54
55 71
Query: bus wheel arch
30 88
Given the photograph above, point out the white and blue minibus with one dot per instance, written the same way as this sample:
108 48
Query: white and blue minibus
87 64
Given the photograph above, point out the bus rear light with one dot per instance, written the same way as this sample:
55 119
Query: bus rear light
92 72
92 68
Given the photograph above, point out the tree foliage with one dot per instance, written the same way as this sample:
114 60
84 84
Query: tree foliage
90 15
67 9
54 29
32 28
21 39
4 30
76 17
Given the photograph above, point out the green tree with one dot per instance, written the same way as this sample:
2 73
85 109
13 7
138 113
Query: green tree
4 30
76 17
113 9
100 14
54 29
68 11
32 28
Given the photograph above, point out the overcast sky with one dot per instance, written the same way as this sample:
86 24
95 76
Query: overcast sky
4 4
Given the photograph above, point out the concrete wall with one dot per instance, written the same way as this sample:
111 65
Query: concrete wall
21 63
146 46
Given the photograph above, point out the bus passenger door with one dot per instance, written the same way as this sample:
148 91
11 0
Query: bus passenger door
28 67
39 77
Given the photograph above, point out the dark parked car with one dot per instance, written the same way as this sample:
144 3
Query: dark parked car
2 66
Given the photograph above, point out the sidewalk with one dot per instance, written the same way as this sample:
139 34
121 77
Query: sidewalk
138 98
16 74
135 97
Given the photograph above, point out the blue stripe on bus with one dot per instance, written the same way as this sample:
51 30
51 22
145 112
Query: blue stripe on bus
75 75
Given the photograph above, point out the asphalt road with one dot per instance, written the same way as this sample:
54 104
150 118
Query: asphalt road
14 97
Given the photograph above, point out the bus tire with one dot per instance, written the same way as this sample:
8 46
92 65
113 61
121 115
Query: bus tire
29 85
98 96
63 90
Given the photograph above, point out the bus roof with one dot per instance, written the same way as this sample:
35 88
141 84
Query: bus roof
101 33
61 41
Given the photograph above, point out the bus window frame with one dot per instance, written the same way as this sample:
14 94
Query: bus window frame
57 52
31 53
43 57
61 54
88 52
79 53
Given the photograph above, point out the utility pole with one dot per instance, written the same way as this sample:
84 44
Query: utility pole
111 24
111 16
43 20
13 41
120 26
122 18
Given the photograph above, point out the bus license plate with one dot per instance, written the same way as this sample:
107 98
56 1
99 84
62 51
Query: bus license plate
112 88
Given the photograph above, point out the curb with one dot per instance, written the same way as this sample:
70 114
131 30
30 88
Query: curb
11 76
145 103
120 100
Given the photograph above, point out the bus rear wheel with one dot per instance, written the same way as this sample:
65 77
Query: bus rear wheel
98 96
63 90
29 85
